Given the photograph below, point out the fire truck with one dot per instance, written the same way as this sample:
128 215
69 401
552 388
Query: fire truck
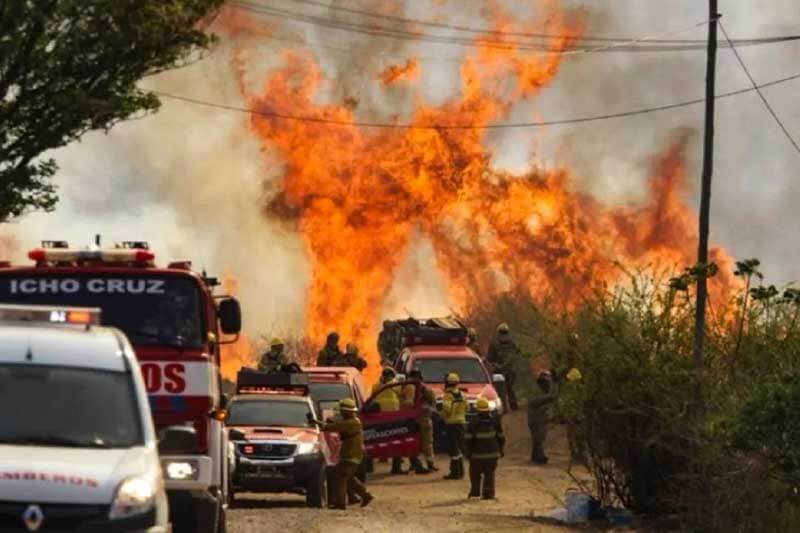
176 324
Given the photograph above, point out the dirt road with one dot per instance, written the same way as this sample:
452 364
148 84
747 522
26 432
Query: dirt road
415 503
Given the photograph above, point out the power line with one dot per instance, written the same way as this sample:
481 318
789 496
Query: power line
386 125
629 46
760 94
486 31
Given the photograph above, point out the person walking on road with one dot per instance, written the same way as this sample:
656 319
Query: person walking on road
540 406
351 454
275 358
502 354
483 445
454 412
331 352
389 400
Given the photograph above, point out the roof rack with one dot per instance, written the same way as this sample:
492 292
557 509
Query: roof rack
397 334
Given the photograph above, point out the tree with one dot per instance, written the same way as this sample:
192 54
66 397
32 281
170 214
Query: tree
70 66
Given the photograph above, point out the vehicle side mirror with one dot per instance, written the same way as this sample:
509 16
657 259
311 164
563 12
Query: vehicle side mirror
498 378
177 440
230 316
236 434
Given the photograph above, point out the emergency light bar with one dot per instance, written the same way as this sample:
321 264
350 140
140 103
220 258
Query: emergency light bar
84 316
71 255
251 380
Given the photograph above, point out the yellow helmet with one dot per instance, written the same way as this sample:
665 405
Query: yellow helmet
347 405
482 405
452 379
574 375
503 328
275 342
351 349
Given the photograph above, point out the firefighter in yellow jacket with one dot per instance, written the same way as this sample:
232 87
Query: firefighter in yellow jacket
483 445
454 412
389 400
351 454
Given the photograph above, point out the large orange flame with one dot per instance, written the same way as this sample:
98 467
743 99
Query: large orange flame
357 194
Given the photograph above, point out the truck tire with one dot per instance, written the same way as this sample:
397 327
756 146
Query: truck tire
317 490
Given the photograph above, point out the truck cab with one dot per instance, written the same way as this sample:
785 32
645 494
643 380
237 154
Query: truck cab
275 446
176 324
78 448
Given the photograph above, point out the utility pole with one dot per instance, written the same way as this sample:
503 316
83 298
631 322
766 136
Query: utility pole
705 193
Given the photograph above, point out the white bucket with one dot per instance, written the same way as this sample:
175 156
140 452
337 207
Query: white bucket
577 506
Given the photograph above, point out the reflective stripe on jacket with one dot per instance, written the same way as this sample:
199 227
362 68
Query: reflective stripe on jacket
484 438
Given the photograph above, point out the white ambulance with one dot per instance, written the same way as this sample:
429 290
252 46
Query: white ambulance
78 451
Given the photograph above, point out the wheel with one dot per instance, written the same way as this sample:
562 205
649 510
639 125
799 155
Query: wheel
317 491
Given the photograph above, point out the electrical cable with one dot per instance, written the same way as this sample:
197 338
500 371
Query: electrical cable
760 94
386 125
472 42
486 31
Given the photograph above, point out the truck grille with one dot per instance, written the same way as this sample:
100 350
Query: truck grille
57 517
267 450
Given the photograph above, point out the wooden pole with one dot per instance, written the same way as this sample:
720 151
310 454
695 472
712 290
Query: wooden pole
705 193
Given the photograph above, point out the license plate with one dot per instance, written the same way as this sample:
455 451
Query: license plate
269 471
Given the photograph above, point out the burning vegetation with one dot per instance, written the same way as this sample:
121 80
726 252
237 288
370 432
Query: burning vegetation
357 194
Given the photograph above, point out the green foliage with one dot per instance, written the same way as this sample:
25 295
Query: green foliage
711 451
70 66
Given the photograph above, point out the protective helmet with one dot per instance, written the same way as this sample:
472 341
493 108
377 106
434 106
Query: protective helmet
347 405
351 349
387 372
574 375
452 379
482 405
333 337
275 342
503 328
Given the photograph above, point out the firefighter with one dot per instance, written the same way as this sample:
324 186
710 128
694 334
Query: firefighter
275 358
351 358
351 454
472 340
502 354
483 445
389 400
454 412
426 426
543 395
331 352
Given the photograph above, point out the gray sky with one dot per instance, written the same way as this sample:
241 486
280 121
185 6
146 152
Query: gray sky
193 181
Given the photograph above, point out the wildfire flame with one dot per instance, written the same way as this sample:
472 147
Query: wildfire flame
240 353
356 195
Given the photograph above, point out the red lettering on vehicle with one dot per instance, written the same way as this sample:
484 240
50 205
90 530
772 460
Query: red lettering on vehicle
174 380
52 478
59 479
11 475
152 377
29 476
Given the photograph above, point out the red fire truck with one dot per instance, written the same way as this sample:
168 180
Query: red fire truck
174 322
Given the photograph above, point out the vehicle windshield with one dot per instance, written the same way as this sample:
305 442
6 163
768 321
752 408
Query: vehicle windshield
61 406
330 391
434 370
151 310
268 413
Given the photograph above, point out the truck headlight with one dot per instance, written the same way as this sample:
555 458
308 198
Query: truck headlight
135 495
181 470
306 448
